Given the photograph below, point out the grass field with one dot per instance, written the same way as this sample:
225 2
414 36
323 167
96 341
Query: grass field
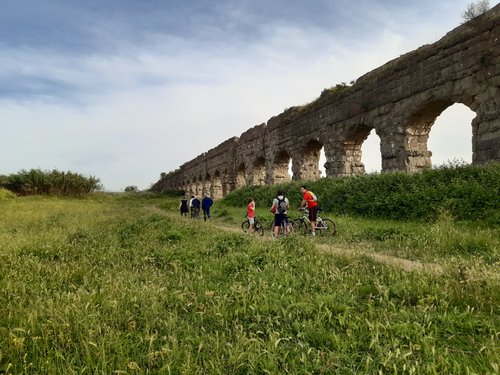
118 284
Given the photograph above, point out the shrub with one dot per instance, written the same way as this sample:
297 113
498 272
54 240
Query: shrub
38 182
466 192
131 189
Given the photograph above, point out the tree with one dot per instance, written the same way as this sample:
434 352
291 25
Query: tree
475 9
132 189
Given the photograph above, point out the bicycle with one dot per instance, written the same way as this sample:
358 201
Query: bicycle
286 227
257 227
323 225
195 213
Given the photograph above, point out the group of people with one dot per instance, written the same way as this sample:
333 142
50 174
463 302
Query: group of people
281 205
193 207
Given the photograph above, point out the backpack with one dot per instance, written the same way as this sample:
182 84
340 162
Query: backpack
314 197
281 208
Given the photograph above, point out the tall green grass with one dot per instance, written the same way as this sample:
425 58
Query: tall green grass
464 191
120 284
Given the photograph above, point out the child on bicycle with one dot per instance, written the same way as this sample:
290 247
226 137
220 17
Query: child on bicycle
251 214
279 208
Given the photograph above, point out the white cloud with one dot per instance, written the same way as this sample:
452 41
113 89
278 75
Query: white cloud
128 115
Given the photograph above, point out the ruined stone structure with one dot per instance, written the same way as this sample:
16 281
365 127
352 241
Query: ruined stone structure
400 100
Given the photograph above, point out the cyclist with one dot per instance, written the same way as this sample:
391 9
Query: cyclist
279 208
251 214
310 201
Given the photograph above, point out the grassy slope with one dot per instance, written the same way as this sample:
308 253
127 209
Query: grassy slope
120 283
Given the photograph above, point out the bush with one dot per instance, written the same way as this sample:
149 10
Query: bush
38 182
131 189
466 192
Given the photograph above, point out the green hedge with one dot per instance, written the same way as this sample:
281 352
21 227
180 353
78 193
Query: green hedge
466 192
38 182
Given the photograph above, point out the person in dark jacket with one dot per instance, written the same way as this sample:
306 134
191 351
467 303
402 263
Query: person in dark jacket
183 206
195 208
206 203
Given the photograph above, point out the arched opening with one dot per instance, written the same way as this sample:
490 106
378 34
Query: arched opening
241 176
450 137
216 188
225 183
199 186
281 167
370 153
259 172
453 128
207 185
322 163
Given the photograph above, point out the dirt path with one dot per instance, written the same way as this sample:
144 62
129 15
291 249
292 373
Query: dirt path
404 264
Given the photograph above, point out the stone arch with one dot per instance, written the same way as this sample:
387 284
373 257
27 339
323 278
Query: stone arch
241 176
207 184
225 183
216 187
454 126
199 186
280 167
417 129
258 172
192 186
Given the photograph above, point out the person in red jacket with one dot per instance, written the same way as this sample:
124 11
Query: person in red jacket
310 201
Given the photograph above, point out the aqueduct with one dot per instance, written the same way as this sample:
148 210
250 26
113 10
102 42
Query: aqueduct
400 100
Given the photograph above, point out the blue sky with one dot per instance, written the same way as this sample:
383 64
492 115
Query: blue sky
126 89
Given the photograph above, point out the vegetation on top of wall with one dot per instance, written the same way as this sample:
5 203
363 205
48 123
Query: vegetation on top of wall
465 192
475 9
339 88
38 182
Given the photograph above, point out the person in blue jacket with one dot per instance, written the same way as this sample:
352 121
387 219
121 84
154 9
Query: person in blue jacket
195 208
206 203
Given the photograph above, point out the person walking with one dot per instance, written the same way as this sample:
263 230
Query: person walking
251 215
310 201
183 206
206 203
195 208
279 208
190 204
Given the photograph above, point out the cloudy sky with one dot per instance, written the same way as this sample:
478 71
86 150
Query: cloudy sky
126 89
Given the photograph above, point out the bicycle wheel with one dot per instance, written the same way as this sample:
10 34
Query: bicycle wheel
271 227
245 225
300 226
258 228
328 227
